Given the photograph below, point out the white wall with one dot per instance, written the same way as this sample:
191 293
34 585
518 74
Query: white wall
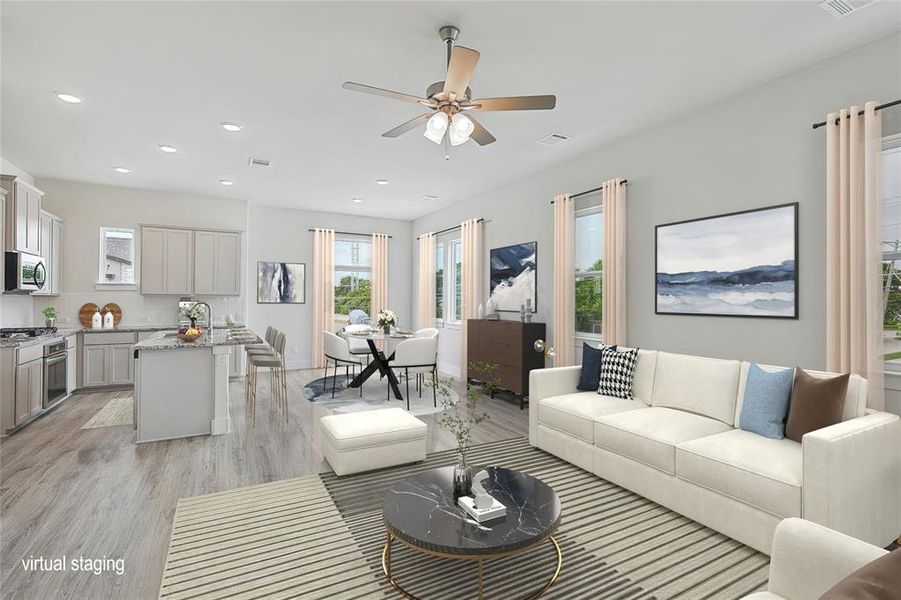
87 207
279 234
754 150
15 310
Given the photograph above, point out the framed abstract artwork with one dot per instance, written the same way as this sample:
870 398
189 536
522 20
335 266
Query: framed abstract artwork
514 276
281 283
742 264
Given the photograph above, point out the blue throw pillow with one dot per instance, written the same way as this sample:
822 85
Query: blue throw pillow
766 400
591 368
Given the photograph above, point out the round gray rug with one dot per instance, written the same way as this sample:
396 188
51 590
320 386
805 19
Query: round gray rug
375 395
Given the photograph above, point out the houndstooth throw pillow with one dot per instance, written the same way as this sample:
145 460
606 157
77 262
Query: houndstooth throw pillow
617 372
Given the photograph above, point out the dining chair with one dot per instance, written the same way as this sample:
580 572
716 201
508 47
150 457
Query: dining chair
337 350
424 332
418 356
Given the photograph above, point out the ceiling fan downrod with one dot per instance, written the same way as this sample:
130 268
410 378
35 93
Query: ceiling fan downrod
449 34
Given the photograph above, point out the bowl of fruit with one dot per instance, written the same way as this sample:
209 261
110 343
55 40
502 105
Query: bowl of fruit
189 334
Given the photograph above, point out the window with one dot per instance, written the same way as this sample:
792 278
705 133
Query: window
891 251
117 255
589 262
353 277
448 297
439 282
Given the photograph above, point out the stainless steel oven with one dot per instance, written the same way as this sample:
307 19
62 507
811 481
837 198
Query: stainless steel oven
55 372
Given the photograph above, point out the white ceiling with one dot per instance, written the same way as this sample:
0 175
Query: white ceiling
168 72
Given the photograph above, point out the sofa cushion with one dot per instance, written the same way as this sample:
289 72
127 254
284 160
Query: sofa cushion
617 372
815 403
878 580
759 471
650 436
575 413
591 367
705 386
643 381
766 401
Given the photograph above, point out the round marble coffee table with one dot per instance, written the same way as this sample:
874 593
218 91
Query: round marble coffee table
422 513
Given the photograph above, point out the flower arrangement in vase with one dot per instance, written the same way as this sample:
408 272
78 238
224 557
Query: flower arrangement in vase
460 417
386 319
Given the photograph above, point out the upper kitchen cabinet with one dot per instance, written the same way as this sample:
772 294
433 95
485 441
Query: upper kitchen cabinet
51 234
23 215
167 260
217 263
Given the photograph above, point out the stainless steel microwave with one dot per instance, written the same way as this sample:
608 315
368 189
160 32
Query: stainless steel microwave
24 272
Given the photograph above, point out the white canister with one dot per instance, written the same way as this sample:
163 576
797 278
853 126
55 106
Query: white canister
108 321
97 320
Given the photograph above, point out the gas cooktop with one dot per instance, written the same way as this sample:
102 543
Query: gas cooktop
25 332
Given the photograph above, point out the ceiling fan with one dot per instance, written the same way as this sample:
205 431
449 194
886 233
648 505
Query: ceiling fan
448 100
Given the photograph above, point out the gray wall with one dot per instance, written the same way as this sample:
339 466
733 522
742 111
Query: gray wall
280 234
754 150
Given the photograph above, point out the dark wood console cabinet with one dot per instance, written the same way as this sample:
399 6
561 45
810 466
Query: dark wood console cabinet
509 345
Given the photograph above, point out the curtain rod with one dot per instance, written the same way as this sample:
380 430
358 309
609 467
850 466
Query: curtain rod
351 233
591 191
860 114
479 220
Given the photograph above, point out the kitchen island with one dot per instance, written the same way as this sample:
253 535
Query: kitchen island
181 388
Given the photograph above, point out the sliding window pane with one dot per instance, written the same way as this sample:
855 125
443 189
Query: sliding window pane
439 281
589 262
891 256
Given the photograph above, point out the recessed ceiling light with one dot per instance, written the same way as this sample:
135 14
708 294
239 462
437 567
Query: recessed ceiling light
382 181
66 97
430 197
226 182
229 126
358 200
166 148
121 170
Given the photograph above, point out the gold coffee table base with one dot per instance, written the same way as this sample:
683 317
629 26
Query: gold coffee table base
386 563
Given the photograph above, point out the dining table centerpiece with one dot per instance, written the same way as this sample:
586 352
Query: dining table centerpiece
386 319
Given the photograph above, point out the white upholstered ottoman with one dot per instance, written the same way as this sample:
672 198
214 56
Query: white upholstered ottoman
372 439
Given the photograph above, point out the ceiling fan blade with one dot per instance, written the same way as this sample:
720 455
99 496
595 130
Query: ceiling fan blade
408 126
515 103
368 89
459 71
481 135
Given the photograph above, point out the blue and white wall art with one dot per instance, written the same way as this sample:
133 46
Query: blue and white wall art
514 276
739 264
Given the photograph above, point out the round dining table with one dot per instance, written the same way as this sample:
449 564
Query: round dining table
380 357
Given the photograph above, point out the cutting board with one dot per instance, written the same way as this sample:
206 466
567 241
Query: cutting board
113 308
85 313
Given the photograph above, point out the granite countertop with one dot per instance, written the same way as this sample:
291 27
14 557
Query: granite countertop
167 340
41 339
129 328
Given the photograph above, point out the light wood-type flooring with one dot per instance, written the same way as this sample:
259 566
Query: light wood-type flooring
93 493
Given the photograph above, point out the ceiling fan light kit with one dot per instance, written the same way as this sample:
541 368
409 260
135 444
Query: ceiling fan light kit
448 100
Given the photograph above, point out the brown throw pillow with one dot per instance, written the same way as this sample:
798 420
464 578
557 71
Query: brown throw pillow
815 403
878 580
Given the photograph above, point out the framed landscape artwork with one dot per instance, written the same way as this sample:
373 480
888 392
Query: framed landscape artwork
741 264
514 276
281 283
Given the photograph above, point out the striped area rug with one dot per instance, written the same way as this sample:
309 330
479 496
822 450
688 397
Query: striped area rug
321 537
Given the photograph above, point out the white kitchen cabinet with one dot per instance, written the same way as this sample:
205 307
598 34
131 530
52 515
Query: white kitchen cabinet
94 366
51 231
29 389
23 215
217 263
71 368
167 261
121 365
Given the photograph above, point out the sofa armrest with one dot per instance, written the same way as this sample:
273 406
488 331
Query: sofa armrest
852 477
808 559
544 383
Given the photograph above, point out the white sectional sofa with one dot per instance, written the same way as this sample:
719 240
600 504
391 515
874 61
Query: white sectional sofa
678 444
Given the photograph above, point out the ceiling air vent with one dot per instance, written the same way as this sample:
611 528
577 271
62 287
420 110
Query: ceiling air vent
258 162
552 139
843 8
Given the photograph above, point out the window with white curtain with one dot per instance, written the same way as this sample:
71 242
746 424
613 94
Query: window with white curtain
440 270
353 276
589 265
891 251
448 273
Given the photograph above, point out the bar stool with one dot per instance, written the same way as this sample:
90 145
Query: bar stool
264 348
275 362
